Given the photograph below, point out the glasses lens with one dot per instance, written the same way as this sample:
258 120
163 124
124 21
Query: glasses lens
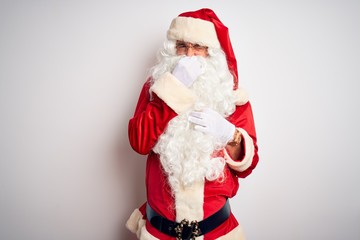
183 46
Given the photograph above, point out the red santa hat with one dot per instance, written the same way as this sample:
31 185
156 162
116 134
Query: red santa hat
205 28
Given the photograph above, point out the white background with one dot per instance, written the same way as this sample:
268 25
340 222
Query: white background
70 75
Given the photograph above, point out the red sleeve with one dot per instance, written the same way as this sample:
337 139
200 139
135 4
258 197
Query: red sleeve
149 121
243 118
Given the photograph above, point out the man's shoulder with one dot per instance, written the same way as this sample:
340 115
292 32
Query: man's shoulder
241 96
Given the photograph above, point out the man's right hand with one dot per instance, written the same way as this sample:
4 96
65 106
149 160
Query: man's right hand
188 70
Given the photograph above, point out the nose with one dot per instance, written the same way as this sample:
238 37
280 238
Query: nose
190 51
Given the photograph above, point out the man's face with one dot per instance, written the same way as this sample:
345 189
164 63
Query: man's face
190 49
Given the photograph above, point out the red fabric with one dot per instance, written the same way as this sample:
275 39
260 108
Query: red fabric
243 118
148 123
223 35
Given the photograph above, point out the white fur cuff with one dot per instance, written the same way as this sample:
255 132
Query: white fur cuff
175 94
242 165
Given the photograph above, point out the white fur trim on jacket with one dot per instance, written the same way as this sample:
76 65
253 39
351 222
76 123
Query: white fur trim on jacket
145 235
136 223
241 96
193 30
175 94
244 163
189 202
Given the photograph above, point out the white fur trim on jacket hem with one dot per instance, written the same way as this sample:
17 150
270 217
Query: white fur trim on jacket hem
145 235
175 94
136 223
193 30
244 163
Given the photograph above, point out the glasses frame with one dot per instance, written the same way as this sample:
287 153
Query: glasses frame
183 47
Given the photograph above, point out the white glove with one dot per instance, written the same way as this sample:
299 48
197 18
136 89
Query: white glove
188 70
211 122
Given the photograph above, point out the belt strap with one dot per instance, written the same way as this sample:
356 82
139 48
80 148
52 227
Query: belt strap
186 229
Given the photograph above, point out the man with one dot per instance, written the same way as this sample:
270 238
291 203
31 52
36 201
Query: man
196 126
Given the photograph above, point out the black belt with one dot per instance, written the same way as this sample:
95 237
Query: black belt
185 229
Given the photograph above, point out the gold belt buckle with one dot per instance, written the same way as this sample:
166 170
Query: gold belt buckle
186 230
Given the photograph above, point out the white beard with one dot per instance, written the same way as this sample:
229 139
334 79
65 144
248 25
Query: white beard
186 154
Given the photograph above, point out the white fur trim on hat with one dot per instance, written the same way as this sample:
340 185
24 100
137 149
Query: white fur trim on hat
244 163
174 93
193 30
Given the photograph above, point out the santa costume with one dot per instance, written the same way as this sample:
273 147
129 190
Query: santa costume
189 175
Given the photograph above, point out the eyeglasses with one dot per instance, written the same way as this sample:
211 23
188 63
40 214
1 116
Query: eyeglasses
184 47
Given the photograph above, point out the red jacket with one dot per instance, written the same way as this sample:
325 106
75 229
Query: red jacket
150 119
